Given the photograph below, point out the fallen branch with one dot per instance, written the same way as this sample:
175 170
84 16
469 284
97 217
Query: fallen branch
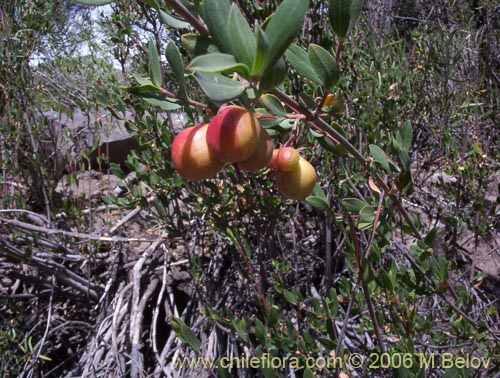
62 274
72 234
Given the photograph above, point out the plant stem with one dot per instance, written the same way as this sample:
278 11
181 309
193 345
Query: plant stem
364 285
190 17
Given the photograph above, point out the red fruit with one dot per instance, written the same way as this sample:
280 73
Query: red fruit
233 134
288 158
261 156
191 156
273 164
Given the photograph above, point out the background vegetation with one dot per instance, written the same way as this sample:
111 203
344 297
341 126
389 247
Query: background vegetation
123 282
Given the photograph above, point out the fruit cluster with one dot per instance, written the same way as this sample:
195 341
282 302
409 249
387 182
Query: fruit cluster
235 136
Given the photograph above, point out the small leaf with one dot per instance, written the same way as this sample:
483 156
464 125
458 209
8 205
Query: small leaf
94 2
242 39
154 64
404 158
241 328
142 89
404 136
339 13
299 59
367 214
216 15
198 45
308 373
380 157
164 103
273 104
291 297
319 203
373 186
324 65
44 357
186 334
318 192
273 77
328 144
283 27
174 58
171 21
352 205
262 51
356 8
286 125
218 62
218 87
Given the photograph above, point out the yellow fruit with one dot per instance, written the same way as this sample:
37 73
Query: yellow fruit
298 183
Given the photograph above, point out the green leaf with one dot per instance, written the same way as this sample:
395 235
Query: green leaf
218 62
324 65
174 58
327 343
142 89
222 372
319 203
273 104
367 214
285 125
339 12
186 334
196 44
299 59
283 27
328 144
404 136
154 64
216 15
241 328
380 157
308 373
261 52
291 297
218 87
94 2
164 103
242 39
144 81
273 77
404 158
352 205
318 192
171 21
356 8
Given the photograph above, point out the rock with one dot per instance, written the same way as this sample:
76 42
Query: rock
443 179
89 184
67 139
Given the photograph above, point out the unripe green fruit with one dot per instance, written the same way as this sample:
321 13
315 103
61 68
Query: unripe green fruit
288 158
298 183
261 156
233 134
191 156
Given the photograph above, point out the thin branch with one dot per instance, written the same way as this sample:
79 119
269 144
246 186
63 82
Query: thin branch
196 22
64 275
364 285
72 234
